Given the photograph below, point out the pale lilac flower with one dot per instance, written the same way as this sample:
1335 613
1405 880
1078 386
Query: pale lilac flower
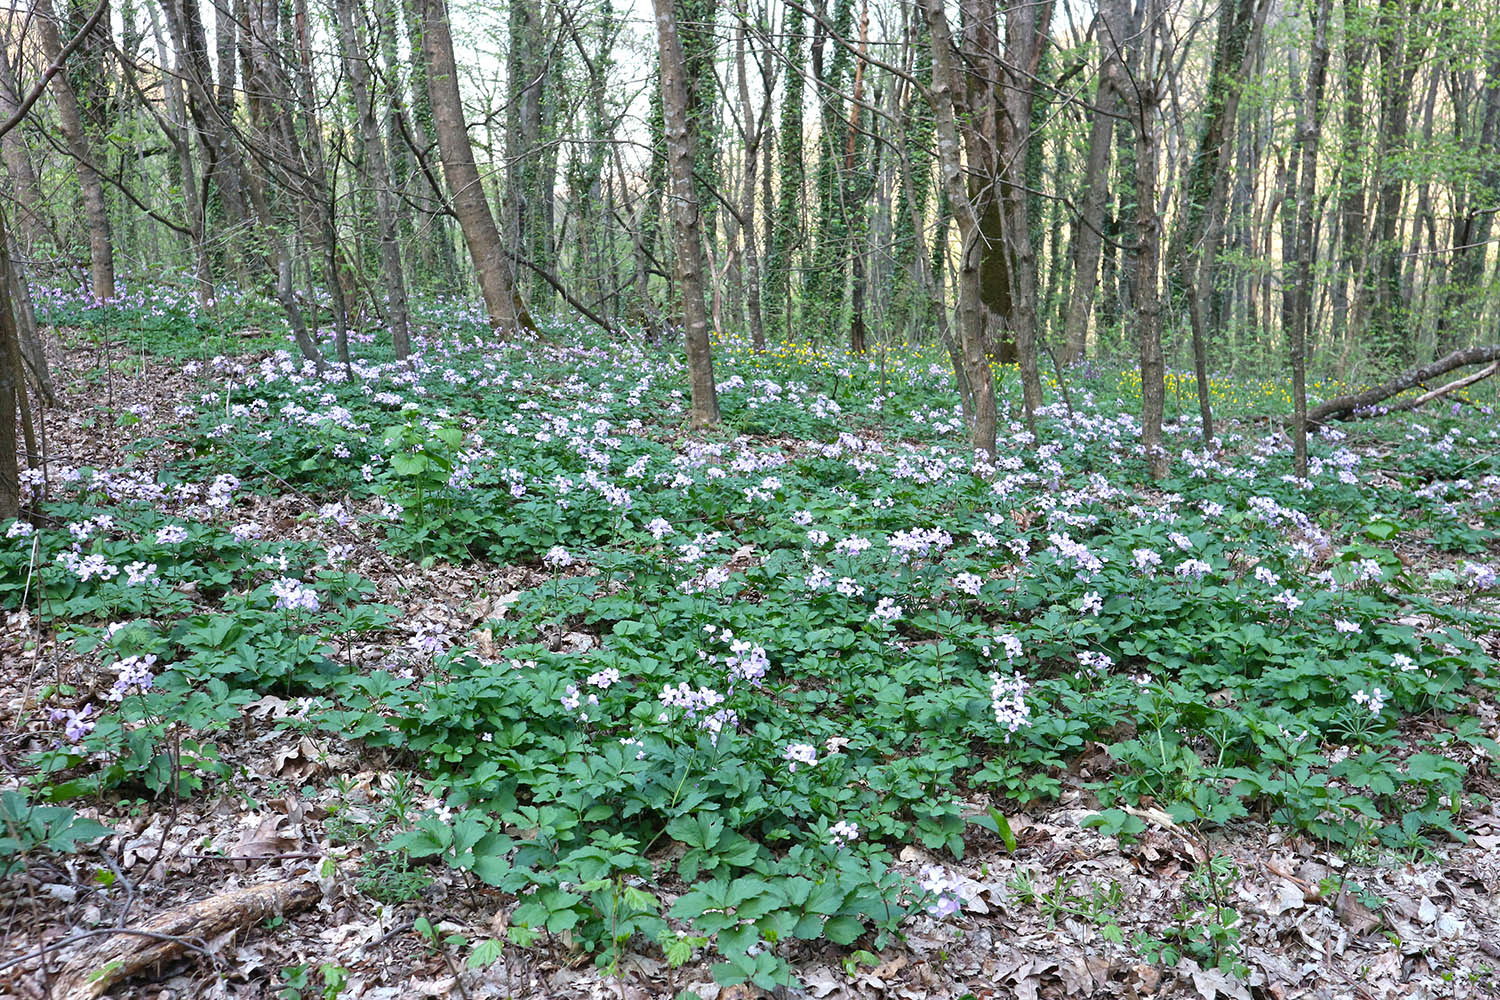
294 595
1095 662
1288 600
20 529
968 583
851 546
819 579
1146 560
802 518
1404 662
1345 626
132 672
140 573
1479 576
886 611
1195 568
944 888
1092 603
804 754
1374 701
1008 699
849 588
659 528
558 557
1010 645
747 662
842 833
428 638
604 679
76 722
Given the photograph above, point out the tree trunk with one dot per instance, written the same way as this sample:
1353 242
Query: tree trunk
187 175
507 313
1194 246
377 174
70 121
971 307
23 178
1299 319
686 236
1147 255
1363 402
1351 172
1461 313
755 133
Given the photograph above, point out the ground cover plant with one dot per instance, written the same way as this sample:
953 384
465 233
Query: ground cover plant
755 703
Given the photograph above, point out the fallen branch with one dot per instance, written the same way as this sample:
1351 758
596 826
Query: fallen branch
1353 405
1440 391
122 954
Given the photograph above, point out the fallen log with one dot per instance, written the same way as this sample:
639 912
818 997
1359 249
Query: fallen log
117 956
1443 390
1353 405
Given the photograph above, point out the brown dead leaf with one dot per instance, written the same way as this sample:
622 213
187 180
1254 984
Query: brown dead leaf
270 836
1356 916
299 761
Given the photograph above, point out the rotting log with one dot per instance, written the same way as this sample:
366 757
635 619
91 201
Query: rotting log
118 956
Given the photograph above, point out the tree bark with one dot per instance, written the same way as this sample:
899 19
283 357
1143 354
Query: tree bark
1299 318
1195 243
754 134
971 307
686 235
377 173
23 178
1148 253
507 313
70 121
1088 239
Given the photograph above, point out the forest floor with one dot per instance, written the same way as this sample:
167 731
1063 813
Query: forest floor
1084 855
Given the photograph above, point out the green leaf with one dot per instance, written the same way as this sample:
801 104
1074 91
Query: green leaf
843 929
486 953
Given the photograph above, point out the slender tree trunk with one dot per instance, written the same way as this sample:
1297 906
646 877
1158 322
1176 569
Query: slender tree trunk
219 146
377 175
1299 320
946 83
686 235
507 312
70 121
23 178
1461 312
1147 254
1194 246
178 134
755 134
13 397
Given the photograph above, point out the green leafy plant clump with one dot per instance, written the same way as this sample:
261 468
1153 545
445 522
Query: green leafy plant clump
741 671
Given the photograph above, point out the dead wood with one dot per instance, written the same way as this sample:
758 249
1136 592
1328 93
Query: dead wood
122 954
1362 403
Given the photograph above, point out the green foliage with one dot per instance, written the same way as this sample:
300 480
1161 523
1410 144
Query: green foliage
26 827
699 685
